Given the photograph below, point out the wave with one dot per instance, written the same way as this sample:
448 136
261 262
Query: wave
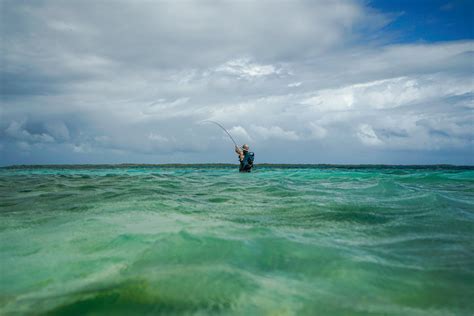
193 240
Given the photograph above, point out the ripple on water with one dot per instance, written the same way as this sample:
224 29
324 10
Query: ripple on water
307 241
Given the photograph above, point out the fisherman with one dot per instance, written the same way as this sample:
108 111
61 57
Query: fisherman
245 157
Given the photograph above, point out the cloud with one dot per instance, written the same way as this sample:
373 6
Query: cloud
162 106
23 146
16 131
240 133
307 74
274 132
82 148
367 135
58 130
158 138
388 93
294 84
317 132
245 69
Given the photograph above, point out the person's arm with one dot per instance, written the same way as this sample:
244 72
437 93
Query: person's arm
240 153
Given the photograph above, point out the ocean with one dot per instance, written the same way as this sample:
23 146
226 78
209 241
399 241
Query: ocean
208 240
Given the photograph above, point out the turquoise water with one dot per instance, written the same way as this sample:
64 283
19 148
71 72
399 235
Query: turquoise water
210 241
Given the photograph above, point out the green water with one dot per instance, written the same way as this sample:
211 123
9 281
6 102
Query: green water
210 241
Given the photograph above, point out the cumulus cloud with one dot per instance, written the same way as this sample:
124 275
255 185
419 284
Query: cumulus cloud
84 81
275 132
16 130
367 135
82 148
389 93
240 133
58 130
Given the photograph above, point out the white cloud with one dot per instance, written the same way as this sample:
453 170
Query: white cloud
274 132
239 133
163 106
388 93
367 135
145 82
157 138
245 69
294 84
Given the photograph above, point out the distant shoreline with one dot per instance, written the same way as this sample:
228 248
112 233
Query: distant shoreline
228 165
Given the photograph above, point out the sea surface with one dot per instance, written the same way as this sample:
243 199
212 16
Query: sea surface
207 240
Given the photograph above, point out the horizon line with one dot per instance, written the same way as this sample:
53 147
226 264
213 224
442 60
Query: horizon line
99 165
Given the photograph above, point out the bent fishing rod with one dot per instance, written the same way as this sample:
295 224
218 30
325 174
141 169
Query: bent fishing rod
209 121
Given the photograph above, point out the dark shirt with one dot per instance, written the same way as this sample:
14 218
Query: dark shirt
247 162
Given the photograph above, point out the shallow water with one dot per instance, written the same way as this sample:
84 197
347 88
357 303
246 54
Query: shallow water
208 240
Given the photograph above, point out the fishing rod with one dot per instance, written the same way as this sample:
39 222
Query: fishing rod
222 129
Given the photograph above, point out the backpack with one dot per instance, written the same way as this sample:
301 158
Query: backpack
247 163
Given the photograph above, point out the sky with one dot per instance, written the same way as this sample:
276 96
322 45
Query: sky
329 81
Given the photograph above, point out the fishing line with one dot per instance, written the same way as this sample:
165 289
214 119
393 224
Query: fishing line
222 129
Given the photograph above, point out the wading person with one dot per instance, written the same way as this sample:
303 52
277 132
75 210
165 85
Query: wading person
245 157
